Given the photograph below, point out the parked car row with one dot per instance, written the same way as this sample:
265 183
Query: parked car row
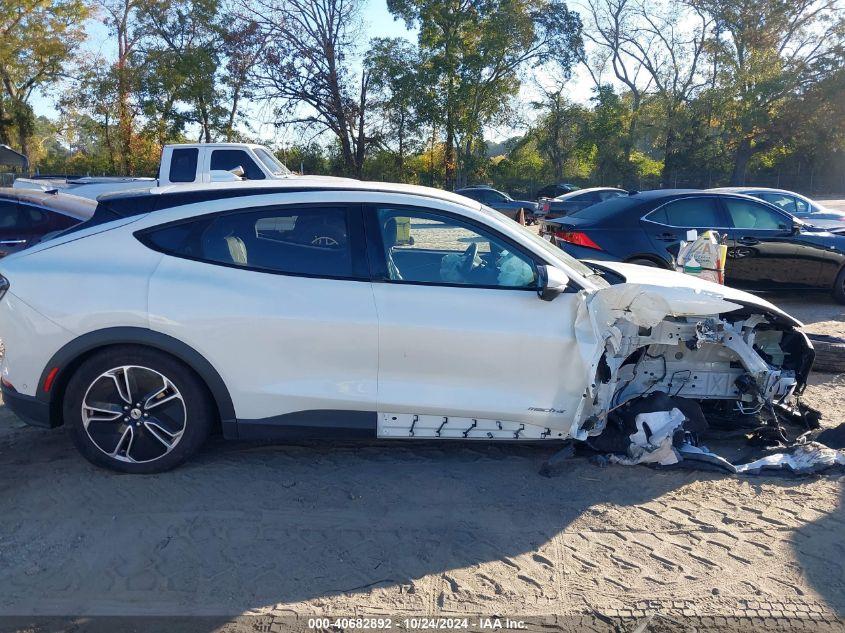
768 248
501 202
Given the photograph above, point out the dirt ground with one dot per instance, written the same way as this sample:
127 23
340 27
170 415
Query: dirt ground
389 529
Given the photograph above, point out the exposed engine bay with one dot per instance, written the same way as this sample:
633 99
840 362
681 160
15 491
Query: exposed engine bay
665 378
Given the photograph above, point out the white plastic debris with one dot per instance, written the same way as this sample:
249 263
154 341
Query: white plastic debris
651 443
803 459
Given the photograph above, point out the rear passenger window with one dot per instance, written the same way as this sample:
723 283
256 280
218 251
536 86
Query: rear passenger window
785 202
591 196
8 215
306 241
689 212
183 165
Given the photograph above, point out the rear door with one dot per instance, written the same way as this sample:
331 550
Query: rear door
278 299
668 224
763 252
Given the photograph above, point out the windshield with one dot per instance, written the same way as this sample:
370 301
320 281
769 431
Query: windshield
271 163
550 249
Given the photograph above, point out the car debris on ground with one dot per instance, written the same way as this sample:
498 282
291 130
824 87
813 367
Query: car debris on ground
673 432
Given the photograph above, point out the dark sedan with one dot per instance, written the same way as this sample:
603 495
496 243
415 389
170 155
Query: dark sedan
768 249
26 216
795 204
500 201
559 189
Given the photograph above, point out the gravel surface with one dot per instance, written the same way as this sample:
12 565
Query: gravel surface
415 529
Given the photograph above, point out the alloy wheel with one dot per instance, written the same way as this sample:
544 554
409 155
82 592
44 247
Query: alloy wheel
134 414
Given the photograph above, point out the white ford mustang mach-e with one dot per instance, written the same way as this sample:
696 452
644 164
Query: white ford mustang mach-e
325 306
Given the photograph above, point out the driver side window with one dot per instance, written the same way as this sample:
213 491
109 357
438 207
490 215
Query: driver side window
428 247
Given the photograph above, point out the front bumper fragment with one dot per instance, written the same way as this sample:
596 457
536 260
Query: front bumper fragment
28 408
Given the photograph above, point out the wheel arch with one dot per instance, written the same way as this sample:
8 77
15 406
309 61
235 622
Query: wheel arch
69 357
656 259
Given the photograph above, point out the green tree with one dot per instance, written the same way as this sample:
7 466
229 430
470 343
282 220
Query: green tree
768 54
396 94
180 66
559 129
473 53
37 39
307 71
611 149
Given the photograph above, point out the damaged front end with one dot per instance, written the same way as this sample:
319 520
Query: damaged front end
669 363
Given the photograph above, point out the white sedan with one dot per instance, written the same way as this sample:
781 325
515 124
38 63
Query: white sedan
328 307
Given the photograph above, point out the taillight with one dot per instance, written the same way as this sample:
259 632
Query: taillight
4 286
578 238
547 205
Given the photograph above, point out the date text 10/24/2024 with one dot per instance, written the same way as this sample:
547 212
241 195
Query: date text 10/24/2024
417 623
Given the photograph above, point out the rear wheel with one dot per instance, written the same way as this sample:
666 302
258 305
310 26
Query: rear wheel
136 410
643 262
839 287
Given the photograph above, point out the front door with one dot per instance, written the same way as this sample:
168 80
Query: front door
762 252
462 331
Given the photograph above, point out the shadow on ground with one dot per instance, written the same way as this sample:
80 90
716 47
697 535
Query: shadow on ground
350 528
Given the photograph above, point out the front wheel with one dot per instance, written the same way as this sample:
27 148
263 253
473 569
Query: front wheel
136 410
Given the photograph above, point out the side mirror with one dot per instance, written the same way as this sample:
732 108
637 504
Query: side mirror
553 281
238 171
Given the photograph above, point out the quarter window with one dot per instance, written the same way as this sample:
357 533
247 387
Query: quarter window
427 247
688 212
750 215
308 241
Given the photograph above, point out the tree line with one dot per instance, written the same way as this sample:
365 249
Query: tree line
682 93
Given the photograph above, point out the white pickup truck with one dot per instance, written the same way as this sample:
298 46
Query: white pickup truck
180 164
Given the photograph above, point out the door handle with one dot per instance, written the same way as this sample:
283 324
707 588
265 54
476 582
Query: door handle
12 242
667 237
748 241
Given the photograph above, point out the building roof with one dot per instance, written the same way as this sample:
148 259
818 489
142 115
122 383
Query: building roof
10 157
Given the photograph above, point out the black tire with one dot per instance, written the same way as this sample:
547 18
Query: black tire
182 397
839 287
830 353
644 262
